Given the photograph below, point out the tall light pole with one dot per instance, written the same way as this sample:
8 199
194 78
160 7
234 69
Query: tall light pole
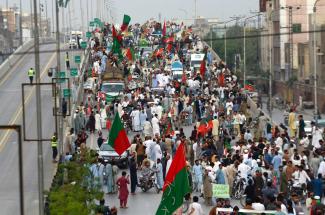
270 63
39 115
315 62
245 47
195 9
20 23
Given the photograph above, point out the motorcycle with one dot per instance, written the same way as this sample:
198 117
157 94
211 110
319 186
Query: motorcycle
148 182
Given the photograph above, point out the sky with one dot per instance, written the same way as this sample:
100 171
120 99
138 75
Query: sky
142 10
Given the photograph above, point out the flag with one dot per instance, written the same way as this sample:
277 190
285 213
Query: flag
203 65
169 128
159 52
169 41
176 184
118 138
126 22
130 54
164 29
184 78
249 87
221 79
116 47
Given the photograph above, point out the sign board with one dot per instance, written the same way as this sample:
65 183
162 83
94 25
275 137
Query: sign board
296 28
220 191
91 24
73 72
66 93
97 20
77 59
88 34
83 44
61 75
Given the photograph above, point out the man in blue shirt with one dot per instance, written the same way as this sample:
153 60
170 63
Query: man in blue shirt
277 162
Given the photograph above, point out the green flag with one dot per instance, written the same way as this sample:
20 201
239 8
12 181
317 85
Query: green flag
126 22
176 184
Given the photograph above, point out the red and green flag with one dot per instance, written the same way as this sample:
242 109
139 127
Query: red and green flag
169 127
176 184
126 22
203 65
117 43
118 138
130 54
164 30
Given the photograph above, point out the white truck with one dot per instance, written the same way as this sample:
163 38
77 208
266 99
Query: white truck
196 60
73 40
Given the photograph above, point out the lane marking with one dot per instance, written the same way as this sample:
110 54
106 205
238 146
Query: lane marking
19 111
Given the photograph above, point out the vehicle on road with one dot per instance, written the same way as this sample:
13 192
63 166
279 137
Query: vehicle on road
148 182
107 153
196 60
113 83
73 40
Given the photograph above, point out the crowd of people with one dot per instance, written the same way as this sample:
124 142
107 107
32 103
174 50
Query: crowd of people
227 142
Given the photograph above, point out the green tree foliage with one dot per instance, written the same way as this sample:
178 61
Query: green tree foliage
235 45
73 191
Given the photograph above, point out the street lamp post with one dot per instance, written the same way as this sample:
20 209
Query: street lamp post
245 46
270 64
315 62
20 23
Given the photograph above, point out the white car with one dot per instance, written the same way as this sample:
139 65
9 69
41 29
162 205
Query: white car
107 153
308 127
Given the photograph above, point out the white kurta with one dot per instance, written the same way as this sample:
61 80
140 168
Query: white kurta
155 126
147 128
135 115
98 126
317 135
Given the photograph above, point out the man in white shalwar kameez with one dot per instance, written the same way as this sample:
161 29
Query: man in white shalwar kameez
147 128
98 125
317 136
135 115
155 125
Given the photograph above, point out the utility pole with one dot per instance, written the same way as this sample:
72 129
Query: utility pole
315 63
31 18
20 23
195 9
69 11
47 21
82 16
290 42
39 116
88 16
58 69
245 47
270 63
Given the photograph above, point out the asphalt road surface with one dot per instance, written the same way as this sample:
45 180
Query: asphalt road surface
11 113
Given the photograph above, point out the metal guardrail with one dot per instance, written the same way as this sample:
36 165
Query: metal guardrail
83 67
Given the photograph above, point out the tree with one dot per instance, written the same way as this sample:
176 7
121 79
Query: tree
235 45
73 191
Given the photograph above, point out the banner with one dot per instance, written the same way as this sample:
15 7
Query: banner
220 191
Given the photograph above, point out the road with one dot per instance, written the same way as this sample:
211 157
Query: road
143 203
11 109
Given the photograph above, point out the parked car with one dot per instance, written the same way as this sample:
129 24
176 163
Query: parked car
308 127
107 153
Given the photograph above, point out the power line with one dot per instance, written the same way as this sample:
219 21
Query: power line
159 43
